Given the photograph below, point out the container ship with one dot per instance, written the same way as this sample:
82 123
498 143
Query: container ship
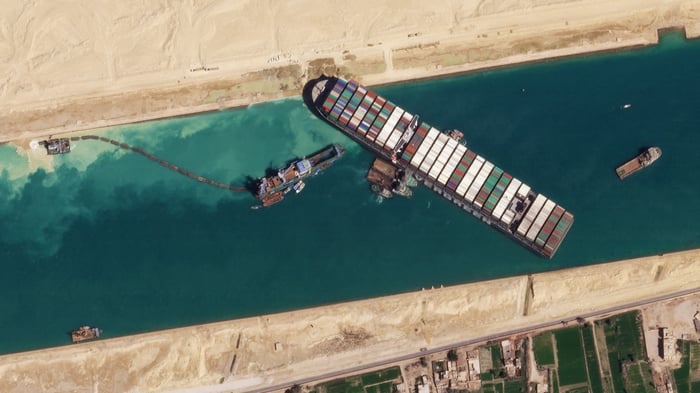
642 161
272 189
443 163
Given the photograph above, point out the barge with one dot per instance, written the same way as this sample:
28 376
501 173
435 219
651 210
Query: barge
56 146
85 333
387 179
646 158
442 163
272 189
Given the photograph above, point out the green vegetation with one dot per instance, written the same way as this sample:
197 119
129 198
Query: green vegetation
516 386
496 356
638 377
688 375
380 376
580 389
543 347
452 355
498 370
628 367
571 365
554 378
495 379
343 386
682 374
591 359
376 382
608 357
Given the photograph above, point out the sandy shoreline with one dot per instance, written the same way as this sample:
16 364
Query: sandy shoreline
75 68
255 352
114 81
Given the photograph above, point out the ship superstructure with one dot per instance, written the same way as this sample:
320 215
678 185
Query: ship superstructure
443 164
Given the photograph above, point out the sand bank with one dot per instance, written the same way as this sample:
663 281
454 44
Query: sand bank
263 351
72 67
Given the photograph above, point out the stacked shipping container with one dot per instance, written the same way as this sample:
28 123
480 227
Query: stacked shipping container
448 166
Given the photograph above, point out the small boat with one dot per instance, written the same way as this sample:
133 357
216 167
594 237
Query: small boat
299 186
643 160
383 192
626 106
386 179
85 333
455 134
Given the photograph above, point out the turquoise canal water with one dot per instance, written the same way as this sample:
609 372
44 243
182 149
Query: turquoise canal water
111 239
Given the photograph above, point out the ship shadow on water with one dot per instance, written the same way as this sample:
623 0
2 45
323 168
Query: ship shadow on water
306 95
251 183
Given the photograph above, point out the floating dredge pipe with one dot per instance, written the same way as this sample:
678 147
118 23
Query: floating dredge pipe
164 163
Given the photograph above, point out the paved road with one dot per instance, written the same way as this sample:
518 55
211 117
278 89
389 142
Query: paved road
490 337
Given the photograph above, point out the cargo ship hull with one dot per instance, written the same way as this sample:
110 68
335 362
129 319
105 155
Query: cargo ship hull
443 164
638 163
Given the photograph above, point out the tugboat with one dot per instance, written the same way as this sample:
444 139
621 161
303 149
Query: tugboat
646 158
56 146
299 186
387 180
457 135
272 189
85 333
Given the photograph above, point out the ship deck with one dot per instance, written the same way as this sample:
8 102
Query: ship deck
444 165
629 168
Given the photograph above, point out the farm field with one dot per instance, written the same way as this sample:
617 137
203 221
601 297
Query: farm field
607 356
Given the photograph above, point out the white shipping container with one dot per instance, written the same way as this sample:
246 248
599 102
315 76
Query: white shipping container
531 213
424 147
407 118
433 153
470 175
523 191
447 151
479 181
508 217
508 195
452 164
429 160
539 220
394 138
437 168
389 126
419 158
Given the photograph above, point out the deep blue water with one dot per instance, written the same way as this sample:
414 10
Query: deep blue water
111 239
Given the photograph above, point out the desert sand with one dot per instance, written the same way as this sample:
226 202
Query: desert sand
256 352
73 65
68 66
